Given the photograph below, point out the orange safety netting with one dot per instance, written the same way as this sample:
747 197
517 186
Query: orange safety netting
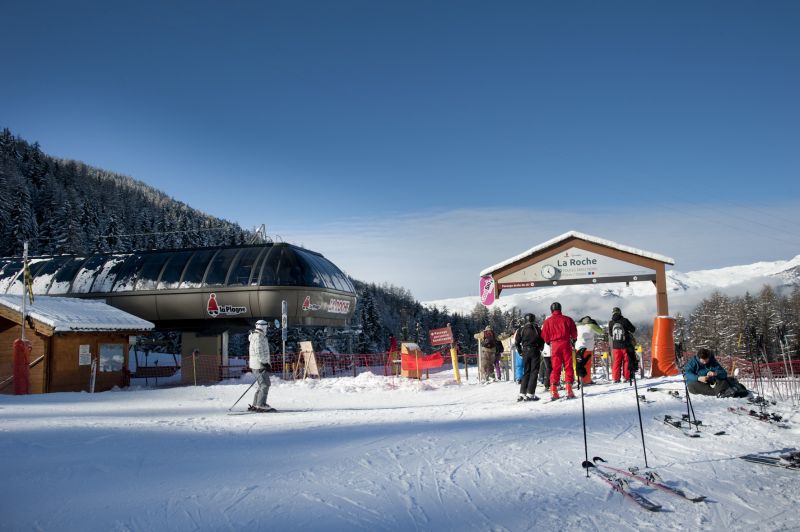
412 363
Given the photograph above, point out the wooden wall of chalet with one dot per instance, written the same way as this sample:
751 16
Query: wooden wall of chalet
66 375
60 370
9 332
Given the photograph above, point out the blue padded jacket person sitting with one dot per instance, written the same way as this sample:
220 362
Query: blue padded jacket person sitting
704 375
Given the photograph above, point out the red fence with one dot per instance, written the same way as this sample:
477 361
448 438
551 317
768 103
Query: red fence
774 369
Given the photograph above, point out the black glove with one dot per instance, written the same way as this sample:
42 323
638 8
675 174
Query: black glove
580 362
633 363
268 367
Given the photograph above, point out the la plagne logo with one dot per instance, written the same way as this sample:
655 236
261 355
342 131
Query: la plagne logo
307 305
335 306
214 309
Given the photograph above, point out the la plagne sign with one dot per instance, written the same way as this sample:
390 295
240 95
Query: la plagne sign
575 266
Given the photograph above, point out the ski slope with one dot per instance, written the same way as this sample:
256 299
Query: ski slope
380 453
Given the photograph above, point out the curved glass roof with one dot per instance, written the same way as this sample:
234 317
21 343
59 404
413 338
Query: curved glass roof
256 265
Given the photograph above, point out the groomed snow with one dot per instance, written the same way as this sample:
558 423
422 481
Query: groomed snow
379 453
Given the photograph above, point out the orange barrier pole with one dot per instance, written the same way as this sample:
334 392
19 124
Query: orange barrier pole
664 347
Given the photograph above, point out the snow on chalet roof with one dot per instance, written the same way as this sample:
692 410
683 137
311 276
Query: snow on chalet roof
66 314
582 236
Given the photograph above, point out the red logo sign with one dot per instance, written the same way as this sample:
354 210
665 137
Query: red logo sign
308 305
212 307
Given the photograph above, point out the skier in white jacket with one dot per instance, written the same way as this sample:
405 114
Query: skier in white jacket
260 364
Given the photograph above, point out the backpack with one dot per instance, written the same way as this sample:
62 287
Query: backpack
488 340
618 333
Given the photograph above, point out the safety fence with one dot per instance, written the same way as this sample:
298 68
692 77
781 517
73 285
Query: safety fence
199 369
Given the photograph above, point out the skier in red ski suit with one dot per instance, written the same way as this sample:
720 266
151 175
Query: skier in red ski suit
560 332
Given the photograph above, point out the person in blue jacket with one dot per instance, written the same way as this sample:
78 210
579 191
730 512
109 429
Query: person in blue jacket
705 376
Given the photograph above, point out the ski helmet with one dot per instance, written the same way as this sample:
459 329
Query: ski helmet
530 318
555 306
261 325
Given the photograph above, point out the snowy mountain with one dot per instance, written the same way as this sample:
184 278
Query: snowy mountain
685 290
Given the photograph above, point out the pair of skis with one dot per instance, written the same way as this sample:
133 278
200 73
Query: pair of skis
609 475
767 417
786 461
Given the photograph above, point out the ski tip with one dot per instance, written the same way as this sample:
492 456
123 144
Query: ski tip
587 464
701 498
597 459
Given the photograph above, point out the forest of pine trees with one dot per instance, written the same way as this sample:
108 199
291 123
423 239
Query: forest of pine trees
386 309
744 325
66 207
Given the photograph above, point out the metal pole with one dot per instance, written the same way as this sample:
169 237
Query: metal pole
240 397
24 285
585 445
284 325
639 409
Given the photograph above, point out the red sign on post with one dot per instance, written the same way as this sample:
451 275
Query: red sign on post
441 336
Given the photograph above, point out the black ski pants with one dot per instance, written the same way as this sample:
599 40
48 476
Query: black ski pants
545 371
530 371
701 388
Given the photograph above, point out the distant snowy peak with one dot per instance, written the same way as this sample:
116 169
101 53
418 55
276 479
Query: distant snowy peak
732 275
733 279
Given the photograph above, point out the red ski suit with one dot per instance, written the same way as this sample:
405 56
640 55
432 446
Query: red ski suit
560 332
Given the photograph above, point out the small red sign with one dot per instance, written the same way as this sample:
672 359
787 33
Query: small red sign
212 307
441 336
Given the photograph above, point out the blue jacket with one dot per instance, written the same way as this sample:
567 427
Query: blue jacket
694 368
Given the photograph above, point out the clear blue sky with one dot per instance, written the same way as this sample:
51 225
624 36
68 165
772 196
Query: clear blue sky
305 114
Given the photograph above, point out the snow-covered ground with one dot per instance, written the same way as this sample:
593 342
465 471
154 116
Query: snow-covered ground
380 453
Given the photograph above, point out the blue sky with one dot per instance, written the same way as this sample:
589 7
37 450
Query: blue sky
452 132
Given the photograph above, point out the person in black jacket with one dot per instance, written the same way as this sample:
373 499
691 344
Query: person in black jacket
619 334
529 341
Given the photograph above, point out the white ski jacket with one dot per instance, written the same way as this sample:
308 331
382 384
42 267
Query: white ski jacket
259 350
586 336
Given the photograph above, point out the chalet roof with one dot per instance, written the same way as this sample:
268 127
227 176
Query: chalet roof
69 314
582 236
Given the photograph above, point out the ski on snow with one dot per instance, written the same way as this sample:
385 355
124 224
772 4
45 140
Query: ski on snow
621 486
766 417
672 393
678 424
786 461
649 478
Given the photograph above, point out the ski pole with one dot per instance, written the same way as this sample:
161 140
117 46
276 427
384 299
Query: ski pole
585 446
690 407
641 429
240 397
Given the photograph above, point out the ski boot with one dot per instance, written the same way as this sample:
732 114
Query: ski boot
521 397
554 392
531 397
570 395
